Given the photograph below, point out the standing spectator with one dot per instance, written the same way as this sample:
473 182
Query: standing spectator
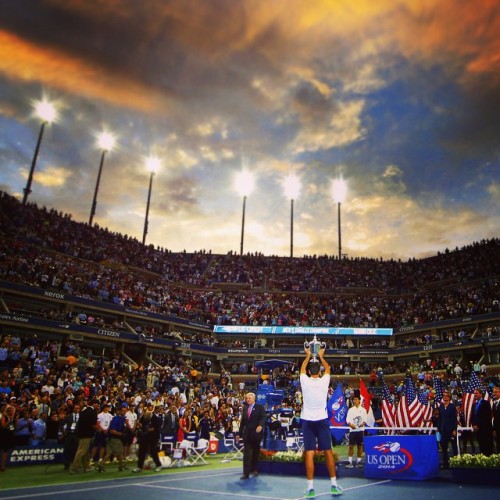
101 436
86 428
70 436
496 416
482 423
184 426
447 427
117 429
171 423
315 424
24 428
39 430
148 436
206 425
131 426
7 433
252 424
356 420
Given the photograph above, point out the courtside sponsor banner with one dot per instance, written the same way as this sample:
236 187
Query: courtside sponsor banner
401 457
36 455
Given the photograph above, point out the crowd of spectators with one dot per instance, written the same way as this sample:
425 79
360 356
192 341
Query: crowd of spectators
47 249
44 248
50 378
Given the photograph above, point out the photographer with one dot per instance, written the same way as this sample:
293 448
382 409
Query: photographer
148 437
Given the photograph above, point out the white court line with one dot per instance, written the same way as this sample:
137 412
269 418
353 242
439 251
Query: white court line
50 493
84 490
218 493
350 488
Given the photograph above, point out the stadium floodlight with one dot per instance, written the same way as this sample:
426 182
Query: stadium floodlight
339 192
292 191
47 113
153 164
105 142
244 185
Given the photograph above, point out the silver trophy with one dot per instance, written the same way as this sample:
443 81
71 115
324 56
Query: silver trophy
314 345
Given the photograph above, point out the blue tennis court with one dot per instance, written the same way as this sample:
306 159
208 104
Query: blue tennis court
226 483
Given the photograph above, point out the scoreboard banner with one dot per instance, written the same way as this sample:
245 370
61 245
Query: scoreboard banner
300 330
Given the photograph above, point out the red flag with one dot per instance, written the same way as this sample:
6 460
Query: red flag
365 395
366 402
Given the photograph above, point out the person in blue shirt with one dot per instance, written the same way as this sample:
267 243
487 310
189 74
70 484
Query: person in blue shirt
39 430
116 431
24 428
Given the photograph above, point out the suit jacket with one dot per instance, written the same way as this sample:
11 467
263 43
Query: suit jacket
447 422
170 425
481 416
496 416
248 426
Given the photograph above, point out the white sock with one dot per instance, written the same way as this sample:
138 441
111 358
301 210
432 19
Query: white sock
310 485
358 460
350 460
334 481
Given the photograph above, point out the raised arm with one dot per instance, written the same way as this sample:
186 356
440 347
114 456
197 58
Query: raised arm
326 366
303 368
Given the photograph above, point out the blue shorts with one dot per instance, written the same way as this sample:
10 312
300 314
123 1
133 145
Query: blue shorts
100 440
356 438
317 432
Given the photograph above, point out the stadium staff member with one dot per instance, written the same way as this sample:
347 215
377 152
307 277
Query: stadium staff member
315 424
86 428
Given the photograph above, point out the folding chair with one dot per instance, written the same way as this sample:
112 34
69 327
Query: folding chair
167 443
235 448
191 436
178 455
199 451
294 443
191 455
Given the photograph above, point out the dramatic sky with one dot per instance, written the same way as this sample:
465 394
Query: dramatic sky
399 98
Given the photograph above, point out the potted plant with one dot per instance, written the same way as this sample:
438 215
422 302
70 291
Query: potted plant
292 462
476 469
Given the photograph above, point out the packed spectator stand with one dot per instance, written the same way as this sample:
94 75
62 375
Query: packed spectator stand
88 313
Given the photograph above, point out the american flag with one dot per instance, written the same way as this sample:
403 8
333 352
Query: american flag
427 410
468 396
388 409
409 411
438 387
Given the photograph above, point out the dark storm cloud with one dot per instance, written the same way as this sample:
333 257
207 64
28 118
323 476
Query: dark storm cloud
475 128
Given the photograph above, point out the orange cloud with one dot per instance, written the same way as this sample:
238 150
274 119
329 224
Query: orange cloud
21 60
449 32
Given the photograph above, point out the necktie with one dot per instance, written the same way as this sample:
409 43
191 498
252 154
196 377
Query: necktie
249 411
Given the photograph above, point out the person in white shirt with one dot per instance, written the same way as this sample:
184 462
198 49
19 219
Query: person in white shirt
131 426
356 420
103 420
314 418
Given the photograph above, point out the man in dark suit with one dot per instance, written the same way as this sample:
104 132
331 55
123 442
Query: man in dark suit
496 416
481 420
171 424
447 427
253 420
70 436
